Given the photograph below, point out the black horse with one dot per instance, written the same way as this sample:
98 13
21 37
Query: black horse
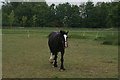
57 43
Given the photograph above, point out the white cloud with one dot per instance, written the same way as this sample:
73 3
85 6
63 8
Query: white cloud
1 3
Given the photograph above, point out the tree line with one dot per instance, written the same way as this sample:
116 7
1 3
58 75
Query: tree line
40 14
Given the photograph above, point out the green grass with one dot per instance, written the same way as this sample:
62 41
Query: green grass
27 57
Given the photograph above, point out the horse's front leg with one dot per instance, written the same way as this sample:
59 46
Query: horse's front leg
62 61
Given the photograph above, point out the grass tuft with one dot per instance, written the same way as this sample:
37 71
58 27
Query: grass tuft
55 76
77 36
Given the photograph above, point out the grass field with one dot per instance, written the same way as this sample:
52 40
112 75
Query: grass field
25 54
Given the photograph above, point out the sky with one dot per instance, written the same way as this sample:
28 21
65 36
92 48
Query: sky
60 1
75 2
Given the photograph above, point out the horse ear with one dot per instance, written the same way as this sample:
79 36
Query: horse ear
67 32
61 32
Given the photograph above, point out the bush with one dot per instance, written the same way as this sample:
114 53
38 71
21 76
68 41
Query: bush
100 38
107 42
111 40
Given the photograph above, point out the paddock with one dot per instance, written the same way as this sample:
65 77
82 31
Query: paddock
25 54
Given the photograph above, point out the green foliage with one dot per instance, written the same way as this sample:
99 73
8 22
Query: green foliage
24 19
100 38
113 18
88 15
11 18
109 39
34 19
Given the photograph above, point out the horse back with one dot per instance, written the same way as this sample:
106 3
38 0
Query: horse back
54 41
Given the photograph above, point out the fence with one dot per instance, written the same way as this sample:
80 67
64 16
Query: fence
83 33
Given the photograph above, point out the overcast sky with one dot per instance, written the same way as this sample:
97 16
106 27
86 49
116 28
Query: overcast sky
61 1
74 1
77 0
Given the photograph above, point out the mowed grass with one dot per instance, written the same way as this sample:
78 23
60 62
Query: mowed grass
26 53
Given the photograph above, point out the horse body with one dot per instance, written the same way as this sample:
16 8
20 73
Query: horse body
57 43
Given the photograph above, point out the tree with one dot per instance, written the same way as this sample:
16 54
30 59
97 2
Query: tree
65 21
41 10
51 17
24 20
89 11
82 15
100 15
63 14
11 18
113 18
24 9
86 15
75 19
0 18
34 19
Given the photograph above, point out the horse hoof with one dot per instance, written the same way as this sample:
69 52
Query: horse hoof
55 65
51 62
61 70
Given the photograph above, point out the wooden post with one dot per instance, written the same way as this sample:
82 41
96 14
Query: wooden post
112 33
97 34
84 34
28 33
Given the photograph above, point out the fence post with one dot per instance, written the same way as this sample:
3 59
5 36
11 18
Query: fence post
28 33
112 33
84 34
97 34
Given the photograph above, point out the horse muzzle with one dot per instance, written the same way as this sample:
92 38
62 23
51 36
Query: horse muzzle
66 44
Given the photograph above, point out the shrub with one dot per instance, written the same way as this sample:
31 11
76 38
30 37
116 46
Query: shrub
111 40
100 38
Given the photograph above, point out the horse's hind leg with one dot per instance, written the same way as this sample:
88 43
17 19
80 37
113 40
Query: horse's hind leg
55 60
51 60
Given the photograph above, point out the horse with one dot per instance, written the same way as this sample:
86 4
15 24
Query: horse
57 42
